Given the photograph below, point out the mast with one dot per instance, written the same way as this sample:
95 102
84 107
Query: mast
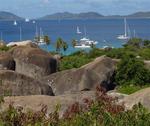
20 34
85 31
36 32
1 36
125 23
134 34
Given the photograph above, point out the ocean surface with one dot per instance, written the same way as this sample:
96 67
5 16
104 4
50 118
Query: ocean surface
104 31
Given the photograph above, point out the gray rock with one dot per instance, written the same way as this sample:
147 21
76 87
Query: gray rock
142 96
6 62
35 102
15 84
98 72
32 61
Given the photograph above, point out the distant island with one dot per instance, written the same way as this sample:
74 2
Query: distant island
91 15
67 15
9 16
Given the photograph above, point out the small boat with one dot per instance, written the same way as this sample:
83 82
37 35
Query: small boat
15 23
82 46
33 22
78 30
27 20
125 36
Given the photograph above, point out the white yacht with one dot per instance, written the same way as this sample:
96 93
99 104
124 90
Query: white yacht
125 36
15 22
85 43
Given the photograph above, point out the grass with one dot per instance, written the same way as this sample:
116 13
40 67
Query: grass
130 89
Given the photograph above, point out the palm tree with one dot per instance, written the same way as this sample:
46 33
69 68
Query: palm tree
59 44
47 40
74 43
65 46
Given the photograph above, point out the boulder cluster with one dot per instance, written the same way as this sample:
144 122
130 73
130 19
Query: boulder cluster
21 69
27 73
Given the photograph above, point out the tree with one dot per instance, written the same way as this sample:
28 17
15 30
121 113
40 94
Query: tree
136 42
131 70
47 39
74 43
65 46
61 44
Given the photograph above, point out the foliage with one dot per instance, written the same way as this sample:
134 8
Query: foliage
131 70
47 39
145 53
103 111
136 42
74 42
61 44
4 48
129 89
70 62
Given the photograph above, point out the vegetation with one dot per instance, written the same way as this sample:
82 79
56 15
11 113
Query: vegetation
4 48
47 40
103 111
131 70
129 89
131 74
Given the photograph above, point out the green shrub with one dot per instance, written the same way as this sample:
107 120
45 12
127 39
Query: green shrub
103 111
145 53
4 48
131 70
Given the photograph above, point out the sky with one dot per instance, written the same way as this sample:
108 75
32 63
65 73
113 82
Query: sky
39 8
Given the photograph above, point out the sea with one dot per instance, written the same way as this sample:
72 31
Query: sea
104 31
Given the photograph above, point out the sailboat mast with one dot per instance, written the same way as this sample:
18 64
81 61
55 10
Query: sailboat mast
36 33
85 31
125 23
134 34
20 34
1 36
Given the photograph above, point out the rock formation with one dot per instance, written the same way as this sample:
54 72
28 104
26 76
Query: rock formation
6 62
32 61
15 84
98 72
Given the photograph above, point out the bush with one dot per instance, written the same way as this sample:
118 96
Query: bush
132 71
4 48
103 111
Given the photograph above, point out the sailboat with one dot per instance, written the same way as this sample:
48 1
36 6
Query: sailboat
15 22
78 30
40 38
125 36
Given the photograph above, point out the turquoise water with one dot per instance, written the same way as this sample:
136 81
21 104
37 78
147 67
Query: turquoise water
104 31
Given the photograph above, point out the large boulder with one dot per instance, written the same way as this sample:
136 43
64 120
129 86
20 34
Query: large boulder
32 61
6 62
15 84
35 102
142 96
98 72
21 43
